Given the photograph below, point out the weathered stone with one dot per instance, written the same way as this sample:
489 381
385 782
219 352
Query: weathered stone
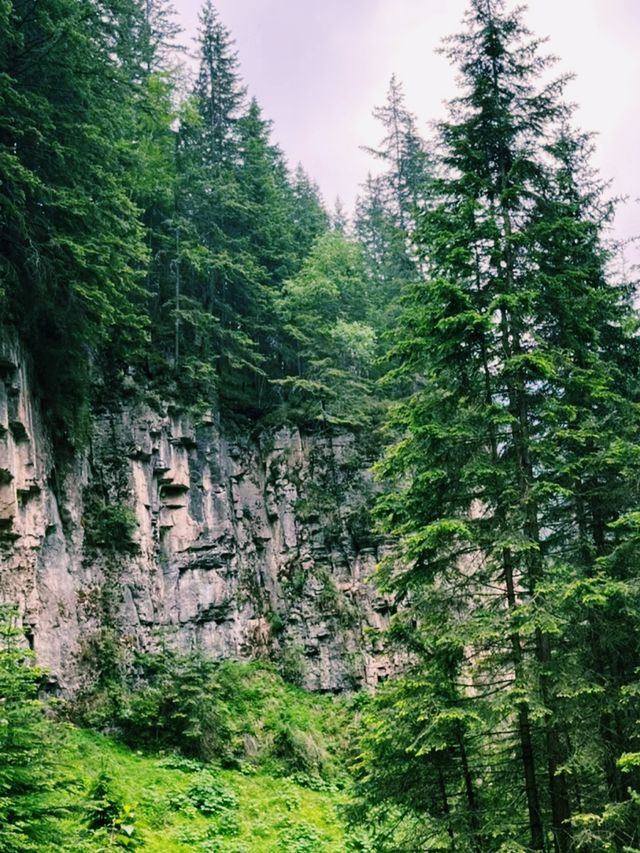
242 548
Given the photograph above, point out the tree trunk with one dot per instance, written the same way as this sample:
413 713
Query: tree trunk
524 726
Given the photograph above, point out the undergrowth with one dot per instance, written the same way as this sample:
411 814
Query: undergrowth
163 803
240 716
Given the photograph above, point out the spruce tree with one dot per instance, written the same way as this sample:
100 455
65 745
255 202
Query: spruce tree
328 345
221 286
589 453
309 217
387 209
160 32
72 245
27 777
264 183
404 157
145 32
515 345
238 224
385 250
339 217
218 89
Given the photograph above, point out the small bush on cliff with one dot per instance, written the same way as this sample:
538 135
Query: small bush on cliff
109 526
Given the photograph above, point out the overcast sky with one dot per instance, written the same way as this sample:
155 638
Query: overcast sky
318 67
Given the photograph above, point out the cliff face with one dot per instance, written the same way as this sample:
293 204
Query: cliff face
166 530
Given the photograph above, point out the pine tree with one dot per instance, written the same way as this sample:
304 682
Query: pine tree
514 345
387 210
72 245
26 768
420 779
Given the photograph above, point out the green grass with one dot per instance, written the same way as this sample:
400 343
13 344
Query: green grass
219 758
267 814
231 714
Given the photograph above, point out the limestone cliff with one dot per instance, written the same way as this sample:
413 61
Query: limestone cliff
168 530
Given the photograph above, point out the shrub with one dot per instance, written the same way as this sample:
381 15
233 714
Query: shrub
300 837
109 526
182 702
298 751
291 665
209 796
110 816
27 771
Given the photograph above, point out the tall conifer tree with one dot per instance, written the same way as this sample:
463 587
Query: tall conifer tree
222 285
72 244
219 90
514 344
27 751
308 215
387 209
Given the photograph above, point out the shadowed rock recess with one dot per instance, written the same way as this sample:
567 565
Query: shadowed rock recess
170 531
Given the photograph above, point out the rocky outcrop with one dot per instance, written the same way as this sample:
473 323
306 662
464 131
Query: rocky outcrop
168 530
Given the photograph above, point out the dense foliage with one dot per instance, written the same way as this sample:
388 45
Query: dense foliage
27 773
171 804
154 242
73 247
513 488
64 789
232 714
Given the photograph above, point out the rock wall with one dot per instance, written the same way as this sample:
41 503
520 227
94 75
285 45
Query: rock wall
166 530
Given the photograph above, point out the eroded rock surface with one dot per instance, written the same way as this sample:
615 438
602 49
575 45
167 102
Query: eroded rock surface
165 530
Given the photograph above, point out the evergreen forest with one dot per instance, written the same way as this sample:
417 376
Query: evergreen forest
470 322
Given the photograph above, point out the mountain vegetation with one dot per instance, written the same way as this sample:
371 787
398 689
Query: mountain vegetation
156 245
512 487
220 758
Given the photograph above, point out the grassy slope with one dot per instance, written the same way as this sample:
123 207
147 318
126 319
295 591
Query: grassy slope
273 814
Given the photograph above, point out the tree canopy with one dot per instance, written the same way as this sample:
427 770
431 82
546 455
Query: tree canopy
511 484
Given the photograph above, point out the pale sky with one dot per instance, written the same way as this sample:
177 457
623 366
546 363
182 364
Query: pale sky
318 67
